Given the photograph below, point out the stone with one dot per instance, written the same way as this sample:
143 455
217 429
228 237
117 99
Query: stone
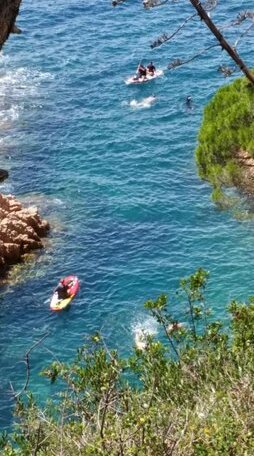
21 230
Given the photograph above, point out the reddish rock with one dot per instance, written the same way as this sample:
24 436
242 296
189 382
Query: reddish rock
31 217
11 253
21 230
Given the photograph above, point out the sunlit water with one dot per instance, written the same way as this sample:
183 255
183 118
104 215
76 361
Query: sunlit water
117 181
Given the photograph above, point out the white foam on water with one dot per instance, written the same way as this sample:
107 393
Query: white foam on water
9 114
144 103
4 58
42 201
142 328
6 188
21 81
17 85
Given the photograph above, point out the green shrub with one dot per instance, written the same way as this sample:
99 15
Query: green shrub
190 392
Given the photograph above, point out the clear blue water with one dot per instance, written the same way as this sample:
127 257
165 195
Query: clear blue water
119 185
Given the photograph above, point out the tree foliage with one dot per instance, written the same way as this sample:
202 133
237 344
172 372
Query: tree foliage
188 392
227 127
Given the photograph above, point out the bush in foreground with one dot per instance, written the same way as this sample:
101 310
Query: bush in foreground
189 393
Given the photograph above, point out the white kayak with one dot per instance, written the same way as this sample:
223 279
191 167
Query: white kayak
149 77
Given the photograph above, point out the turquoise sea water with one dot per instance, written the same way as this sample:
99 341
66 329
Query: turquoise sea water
119 184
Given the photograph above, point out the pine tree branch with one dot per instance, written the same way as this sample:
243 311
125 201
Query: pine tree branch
164 38
154 3
223 42
178 62
245 32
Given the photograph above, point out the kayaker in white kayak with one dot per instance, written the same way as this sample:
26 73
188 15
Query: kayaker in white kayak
141 71
151 68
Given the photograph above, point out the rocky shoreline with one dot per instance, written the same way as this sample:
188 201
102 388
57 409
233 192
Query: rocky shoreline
21 230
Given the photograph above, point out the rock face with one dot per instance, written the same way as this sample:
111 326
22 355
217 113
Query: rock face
21 230
8 12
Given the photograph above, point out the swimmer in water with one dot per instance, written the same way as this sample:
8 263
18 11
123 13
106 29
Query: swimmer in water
188 101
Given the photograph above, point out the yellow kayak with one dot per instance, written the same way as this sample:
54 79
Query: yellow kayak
60 304
64 293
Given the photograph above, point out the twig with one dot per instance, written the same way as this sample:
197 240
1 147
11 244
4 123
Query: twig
104 413
183 430
241 17
170 339
27 363
242 34
55 430
164 38
153 3
179 62
52 354
37 447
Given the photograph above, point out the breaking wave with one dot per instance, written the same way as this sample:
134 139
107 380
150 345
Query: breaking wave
143 328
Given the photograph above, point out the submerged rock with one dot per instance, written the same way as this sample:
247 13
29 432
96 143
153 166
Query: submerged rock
21 230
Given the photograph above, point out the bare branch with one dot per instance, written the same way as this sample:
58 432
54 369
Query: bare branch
154 3
37 446
226 70
243 34
27 363
243 16
220 38
163 38
238 21
178 62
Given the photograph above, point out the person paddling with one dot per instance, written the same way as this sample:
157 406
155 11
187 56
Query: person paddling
62 290
151 68
141 70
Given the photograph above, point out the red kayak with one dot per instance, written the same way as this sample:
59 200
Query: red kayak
64 293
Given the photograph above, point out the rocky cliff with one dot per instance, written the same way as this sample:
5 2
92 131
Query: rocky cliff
8 12
21 230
